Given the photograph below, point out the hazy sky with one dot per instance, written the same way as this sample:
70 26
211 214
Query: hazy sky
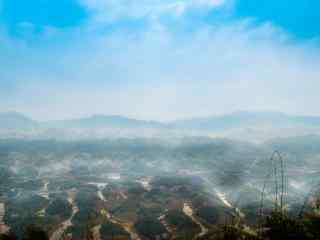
159 59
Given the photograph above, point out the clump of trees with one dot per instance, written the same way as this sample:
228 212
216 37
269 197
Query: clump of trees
280 226
150 228
60 207
274 226
31 232
111 231
182 224
277 225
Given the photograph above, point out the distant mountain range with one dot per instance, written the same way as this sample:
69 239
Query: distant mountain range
246 119
13 120
101 121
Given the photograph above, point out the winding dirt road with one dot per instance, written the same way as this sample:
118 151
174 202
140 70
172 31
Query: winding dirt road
187 209
57 235
3 227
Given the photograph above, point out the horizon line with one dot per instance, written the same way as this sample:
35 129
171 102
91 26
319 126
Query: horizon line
159 121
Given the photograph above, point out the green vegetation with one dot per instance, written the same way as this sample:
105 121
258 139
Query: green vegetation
182 224
59 207
8 236
209 214
150 212
280 226
230 232
34 233
198 171
112 231
150 228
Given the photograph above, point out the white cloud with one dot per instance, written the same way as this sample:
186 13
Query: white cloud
157 74
112 10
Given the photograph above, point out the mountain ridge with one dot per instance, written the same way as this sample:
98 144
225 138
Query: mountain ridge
236 119
12 120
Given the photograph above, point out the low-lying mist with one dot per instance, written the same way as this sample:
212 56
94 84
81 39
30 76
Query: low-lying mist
70 187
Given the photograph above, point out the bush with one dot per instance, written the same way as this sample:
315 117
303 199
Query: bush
8 237
209 214
60 207
229 232
110 231
279 226
149 227
33 232
312 224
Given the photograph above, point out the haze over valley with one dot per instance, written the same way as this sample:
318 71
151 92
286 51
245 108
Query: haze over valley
110 177
159 120
256 127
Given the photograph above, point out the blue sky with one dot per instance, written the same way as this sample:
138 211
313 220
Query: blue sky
158 59
61 13
298 17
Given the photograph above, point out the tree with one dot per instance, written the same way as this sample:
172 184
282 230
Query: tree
280 226
9 236
34 232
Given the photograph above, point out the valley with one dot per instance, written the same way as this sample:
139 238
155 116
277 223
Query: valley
112 189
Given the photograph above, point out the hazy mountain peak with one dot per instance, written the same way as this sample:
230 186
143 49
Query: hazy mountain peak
11 120
12 114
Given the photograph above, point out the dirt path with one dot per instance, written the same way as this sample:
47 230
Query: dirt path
96 232
127 227
225 201
57 235
101 196
101 187
163 221
3 227
44 192
145 183
222 197
187 209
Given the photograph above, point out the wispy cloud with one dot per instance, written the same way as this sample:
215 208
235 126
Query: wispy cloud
113 10
156 72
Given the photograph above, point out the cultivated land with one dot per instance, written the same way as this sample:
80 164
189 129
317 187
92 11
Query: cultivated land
151 188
